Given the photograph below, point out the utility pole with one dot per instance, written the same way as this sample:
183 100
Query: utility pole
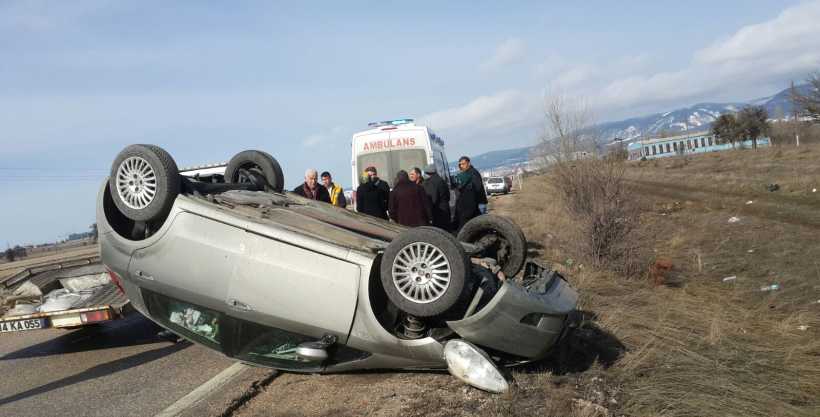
794 116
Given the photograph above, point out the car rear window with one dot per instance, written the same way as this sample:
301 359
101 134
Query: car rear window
495 181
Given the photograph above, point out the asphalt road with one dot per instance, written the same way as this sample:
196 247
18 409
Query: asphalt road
116 369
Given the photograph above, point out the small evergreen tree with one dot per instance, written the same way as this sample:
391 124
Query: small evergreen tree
753 122
727 129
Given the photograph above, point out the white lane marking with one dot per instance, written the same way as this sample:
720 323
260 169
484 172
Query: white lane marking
204 390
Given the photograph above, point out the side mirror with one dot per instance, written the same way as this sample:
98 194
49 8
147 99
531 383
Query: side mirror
315 351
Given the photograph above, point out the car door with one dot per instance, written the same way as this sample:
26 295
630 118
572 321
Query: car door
184 276
295 289
193 261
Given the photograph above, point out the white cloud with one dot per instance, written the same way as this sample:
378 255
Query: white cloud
485 111
794 30
509 52
756 57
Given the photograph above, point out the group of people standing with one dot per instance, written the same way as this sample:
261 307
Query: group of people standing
421 199
329 192
417 199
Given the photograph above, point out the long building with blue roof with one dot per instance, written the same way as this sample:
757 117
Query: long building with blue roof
690 143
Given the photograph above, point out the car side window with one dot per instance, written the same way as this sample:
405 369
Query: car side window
276 348
269 346
194 322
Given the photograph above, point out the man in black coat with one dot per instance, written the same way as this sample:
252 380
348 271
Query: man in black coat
471 192
373 195
311 188
439 194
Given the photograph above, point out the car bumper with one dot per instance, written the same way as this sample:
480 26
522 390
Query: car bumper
525 321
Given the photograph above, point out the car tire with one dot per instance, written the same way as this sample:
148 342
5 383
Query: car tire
144 182
424 271
512 255
260 162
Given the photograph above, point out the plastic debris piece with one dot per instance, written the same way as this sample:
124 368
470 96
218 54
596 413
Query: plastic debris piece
729 279
751 251
802 327
749 202
773 287
814 190
734 219
773 187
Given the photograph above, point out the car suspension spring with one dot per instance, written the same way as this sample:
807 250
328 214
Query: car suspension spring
413 327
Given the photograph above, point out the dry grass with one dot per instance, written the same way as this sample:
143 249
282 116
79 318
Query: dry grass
699 346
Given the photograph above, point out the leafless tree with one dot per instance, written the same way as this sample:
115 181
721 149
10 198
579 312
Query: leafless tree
808 105
593 190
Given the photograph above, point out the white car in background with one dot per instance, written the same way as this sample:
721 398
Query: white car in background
496 185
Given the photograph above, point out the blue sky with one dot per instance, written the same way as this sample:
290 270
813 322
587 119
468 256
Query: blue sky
80 80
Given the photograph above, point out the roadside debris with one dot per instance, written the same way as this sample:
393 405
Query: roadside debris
24 296
751 251
802 327
62 299
589 408
749 202
659 269
773 287
734 219
669 208
730 279
773 187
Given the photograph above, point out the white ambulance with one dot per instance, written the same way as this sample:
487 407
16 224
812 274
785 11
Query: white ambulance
395 145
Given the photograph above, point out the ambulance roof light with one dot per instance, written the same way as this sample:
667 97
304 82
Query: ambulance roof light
395 122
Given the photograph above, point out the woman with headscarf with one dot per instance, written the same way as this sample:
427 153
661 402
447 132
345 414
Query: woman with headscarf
409 204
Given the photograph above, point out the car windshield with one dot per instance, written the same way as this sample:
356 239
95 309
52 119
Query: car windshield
388 163
495 181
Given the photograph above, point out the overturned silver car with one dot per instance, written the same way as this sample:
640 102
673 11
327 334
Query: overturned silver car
277 280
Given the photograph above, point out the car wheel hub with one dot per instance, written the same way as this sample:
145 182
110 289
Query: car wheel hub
421 272
136 183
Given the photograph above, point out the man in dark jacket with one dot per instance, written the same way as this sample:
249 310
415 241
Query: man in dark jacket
311 189
409 205
439 194
470 192
372 195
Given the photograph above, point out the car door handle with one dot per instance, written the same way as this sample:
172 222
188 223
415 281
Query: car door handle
143 275
238 305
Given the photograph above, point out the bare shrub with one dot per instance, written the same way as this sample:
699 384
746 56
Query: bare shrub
593 190
595 195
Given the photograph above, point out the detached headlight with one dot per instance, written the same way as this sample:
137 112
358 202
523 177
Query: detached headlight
470 364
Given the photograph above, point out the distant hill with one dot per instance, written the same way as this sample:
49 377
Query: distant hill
495 159
698 117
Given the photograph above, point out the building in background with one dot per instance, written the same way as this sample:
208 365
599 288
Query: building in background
690 143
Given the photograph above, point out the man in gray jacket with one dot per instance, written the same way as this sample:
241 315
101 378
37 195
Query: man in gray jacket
439 194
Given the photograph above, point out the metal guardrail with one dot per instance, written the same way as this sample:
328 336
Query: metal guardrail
52 266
